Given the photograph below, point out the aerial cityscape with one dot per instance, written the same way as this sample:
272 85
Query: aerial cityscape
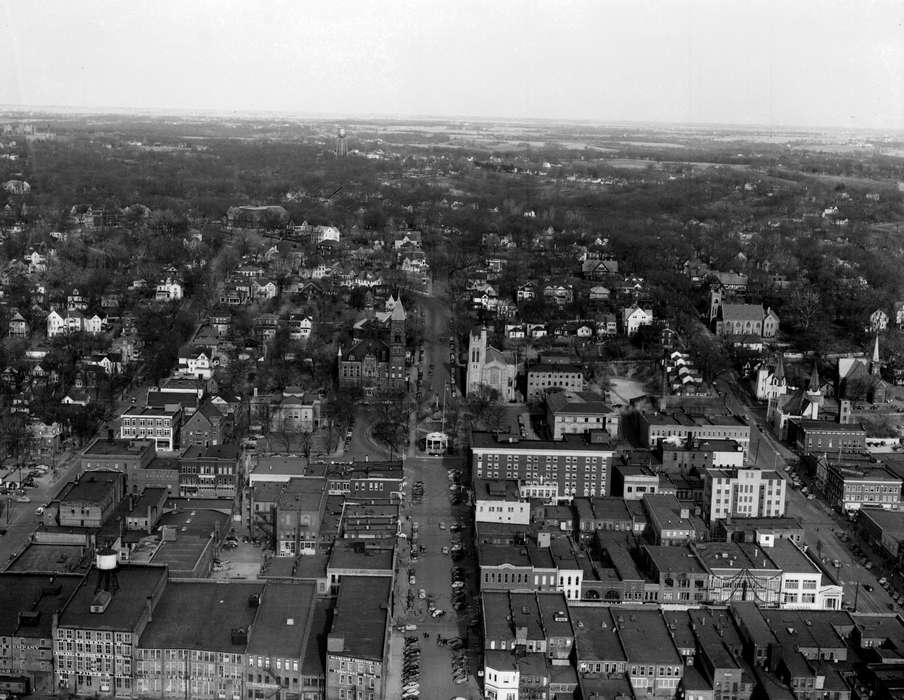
353 400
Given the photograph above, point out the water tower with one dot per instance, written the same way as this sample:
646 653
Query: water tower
106 561
341 144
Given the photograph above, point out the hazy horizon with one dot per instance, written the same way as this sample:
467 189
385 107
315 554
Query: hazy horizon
835 64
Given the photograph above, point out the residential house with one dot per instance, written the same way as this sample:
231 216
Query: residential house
18 326
634 317
299 326
526 292
196 361
168 290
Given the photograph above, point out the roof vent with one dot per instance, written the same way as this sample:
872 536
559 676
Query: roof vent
254 600
100 601
239 636
29 618
290 621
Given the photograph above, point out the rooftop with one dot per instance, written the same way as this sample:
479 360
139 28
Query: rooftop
354 555
201 616
579 402
31 593
645 637
360 616
595 635
115 447
571 443
127 605
282 625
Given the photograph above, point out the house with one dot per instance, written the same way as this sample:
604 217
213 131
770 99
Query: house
265 291
324 234
598 268
526 292
899 313
299 326
168 290
606 325
634 317
197 361
18 326
56 324
878 321
407 239
599 294
76 301
558 294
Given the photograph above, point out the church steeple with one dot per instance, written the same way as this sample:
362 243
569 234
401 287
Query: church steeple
778 377
813 387
875 365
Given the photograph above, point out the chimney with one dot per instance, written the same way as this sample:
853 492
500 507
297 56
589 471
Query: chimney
109 434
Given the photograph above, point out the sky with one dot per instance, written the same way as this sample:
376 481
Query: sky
820 63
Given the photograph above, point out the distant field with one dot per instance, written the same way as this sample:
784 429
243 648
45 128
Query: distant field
632 163
653 144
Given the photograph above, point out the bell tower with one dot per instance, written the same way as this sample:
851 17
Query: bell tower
397 320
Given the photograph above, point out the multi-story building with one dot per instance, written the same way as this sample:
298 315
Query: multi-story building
657 427
160 425
299 513
374 364
551 470
89 501
701 454
527 638
577 413
382 479
110 454
850 488
99 628
669 520
489 367
559 377
814 436
357 643
209 472
282 641
500 501
652 661
745 493
194 644
28 603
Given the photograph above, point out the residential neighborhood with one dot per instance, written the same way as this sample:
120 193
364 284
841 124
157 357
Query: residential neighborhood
432 435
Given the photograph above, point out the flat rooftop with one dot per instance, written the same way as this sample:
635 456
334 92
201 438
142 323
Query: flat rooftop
201 616
110 448
193 531
355 555
52 558
92 487
595 635
360 615
283 620
127 605
42 594
571 443
645 637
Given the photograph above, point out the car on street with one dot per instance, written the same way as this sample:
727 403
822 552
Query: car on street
868 588
22 499
422 594
412 580
442 525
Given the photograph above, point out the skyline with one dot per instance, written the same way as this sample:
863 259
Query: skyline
836 64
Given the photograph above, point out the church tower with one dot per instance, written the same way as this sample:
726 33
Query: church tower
875 365
397 344
477 354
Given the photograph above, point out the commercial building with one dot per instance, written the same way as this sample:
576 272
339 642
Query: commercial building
160 425
745 493
99 628
89 501
814 436
559 377
28 603
579 412
299 512
701 454
682 426
549 470
209 472
851 488
194 645
285 632
500 501
358 639
884 529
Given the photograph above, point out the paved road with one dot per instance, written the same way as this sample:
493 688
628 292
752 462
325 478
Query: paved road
432 572
821 524
19 519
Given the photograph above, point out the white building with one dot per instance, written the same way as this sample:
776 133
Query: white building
634 317
745 493
168 290
500 501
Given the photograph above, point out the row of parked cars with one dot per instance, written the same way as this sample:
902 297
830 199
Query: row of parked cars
411 669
